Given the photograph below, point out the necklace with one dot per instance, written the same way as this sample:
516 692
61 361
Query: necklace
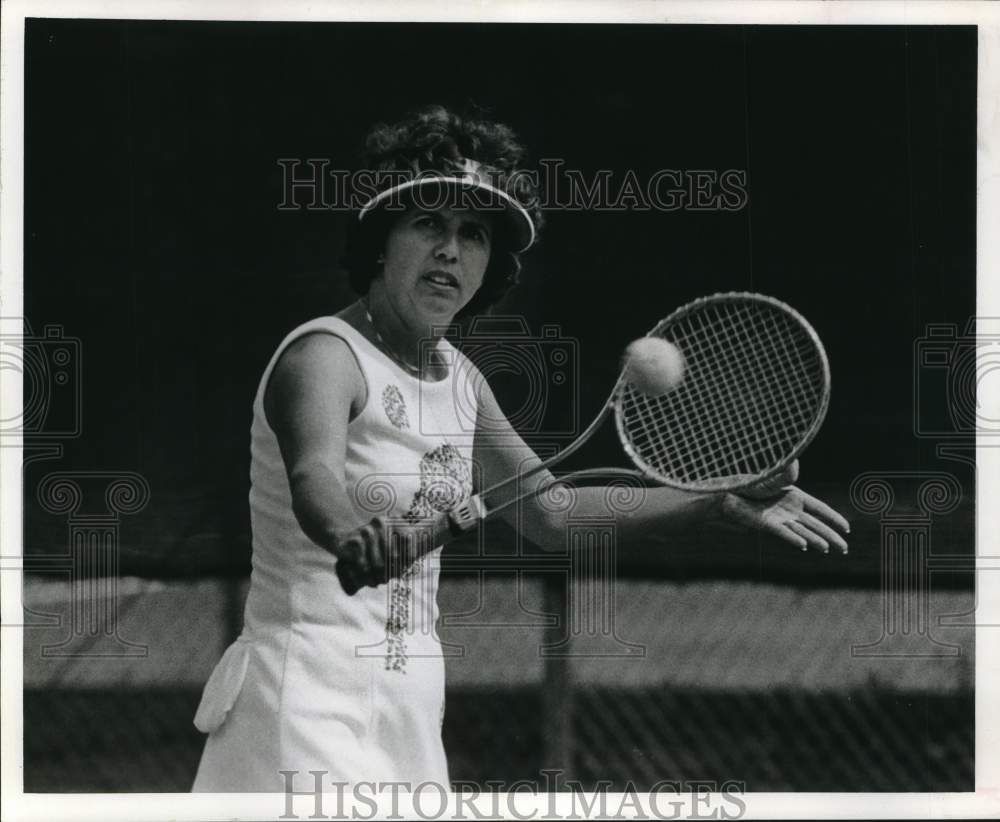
413 369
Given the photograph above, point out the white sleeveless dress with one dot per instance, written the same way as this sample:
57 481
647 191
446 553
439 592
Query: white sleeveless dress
318 680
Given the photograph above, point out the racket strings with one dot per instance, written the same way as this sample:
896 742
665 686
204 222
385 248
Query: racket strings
754 384
745 393
785 405
725 411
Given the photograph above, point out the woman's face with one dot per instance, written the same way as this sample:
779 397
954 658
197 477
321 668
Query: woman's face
435 261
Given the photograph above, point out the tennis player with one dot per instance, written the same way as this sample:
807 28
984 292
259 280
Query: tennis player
355 417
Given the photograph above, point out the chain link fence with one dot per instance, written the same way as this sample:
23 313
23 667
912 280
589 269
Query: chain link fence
704 680
83 740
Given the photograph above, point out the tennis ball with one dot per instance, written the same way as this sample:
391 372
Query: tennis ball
654 366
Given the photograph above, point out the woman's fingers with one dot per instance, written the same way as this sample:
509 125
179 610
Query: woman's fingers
751 514
820 509
823 530
812 539
352 562
361 557
375 553
786 533
790 519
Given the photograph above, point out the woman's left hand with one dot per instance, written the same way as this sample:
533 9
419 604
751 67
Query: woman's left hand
788 513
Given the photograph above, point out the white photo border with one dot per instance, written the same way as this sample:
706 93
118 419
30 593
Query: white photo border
985 802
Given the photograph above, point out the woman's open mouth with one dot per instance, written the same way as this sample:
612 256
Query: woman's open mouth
441 279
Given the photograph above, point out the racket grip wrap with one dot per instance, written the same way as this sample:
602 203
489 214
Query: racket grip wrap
465 517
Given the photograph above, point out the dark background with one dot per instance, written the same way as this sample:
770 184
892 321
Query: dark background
153 232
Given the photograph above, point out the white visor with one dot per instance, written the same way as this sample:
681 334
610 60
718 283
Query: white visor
520 222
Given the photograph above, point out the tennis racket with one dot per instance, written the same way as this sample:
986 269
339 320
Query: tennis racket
756 389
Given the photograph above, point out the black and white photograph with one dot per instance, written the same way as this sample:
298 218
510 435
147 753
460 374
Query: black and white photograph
524 414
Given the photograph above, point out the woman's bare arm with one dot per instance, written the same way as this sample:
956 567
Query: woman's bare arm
782 511
314 388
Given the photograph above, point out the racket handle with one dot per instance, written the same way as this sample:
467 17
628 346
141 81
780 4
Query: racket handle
378 551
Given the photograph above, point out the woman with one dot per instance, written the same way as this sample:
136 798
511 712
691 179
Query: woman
355 419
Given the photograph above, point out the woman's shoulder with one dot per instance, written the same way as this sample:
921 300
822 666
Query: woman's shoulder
314 346
316 367
324 337
325 340
334 325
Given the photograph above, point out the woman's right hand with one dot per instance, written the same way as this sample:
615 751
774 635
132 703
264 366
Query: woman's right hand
361 557
376 552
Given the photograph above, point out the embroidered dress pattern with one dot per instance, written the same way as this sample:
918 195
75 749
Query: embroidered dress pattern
445 481
398 623
395 407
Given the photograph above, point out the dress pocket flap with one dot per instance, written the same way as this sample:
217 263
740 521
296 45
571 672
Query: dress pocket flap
223 687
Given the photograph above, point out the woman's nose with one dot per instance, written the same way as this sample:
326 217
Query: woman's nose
447 249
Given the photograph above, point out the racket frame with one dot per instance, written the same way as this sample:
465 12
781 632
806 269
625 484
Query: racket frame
737 481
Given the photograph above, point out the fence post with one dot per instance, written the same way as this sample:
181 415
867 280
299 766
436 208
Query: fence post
557 685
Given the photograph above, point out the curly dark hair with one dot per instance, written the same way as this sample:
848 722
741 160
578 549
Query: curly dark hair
436 139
